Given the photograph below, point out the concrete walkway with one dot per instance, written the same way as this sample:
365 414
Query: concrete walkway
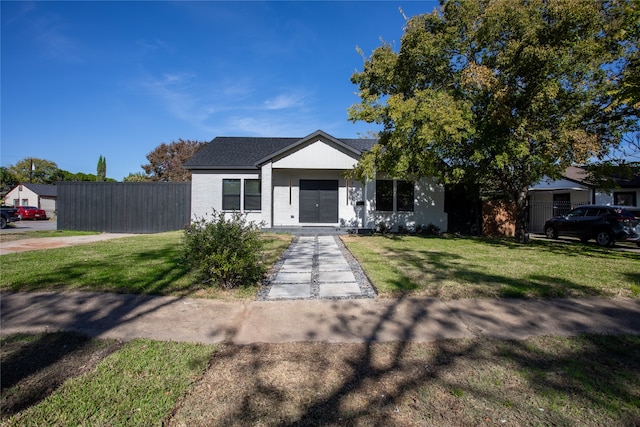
357 320
315 267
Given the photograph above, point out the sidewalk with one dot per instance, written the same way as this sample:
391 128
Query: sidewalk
358 320
36 243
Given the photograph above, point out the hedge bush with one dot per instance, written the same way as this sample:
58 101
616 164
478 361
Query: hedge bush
226 249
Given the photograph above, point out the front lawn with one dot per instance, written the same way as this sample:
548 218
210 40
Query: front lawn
145 264
450 268
591 380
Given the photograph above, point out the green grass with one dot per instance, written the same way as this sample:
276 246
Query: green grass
145 264
452 268
136 386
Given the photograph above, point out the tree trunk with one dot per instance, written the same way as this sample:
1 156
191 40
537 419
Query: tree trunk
522 233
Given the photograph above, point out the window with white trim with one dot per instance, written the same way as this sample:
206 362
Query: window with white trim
231 194
252 195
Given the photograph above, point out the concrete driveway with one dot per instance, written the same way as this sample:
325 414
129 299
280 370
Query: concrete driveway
30 225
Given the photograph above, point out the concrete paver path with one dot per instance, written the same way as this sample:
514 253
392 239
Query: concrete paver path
315 267
358 320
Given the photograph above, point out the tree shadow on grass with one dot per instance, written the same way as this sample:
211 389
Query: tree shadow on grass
443 267
158 271
42 363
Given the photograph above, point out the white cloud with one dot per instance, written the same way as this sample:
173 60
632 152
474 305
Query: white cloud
231 106
284 101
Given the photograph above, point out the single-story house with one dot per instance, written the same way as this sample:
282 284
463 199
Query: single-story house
552 197
301 182
43 196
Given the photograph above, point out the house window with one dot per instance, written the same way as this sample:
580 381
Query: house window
394 194
404 195
626 198
384 195
252 195
231 194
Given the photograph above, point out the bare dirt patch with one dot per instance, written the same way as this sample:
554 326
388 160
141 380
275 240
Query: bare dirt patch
544 381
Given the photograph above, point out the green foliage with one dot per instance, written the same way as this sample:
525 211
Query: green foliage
7 180
498 93
136 177
34 170
428 230
102 169
383 228
226 250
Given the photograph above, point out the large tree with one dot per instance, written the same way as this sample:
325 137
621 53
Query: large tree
166 160
34 170
7 181
498 93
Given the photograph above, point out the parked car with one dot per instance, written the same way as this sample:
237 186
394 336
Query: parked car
31 212
7 215
605 224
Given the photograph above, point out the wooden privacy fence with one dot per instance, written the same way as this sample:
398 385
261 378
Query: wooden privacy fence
127 207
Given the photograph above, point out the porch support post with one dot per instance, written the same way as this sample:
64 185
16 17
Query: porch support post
267 194
365 208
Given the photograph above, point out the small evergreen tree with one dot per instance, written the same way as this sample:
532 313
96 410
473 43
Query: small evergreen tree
102 169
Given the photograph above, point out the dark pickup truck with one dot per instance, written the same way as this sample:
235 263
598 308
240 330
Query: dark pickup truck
7 215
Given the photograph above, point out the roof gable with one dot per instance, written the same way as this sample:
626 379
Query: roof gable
251 152
317 153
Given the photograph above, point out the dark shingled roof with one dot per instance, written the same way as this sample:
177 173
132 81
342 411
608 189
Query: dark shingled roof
46 190
231 152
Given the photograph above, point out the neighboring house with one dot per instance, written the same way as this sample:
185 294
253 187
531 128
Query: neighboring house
300 182
550 197
42 196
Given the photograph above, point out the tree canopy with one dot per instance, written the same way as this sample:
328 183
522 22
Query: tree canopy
35 170
136 177
166 161
499 93
39 171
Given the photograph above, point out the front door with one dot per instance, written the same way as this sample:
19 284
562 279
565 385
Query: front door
318 201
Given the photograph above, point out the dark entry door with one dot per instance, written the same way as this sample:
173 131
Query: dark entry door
318 201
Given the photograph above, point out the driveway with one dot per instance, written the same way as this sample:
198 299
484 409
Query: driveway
30 225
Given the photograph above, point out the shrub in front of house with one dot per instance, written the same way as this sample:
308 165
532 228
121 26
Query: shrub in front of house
428 230
226 250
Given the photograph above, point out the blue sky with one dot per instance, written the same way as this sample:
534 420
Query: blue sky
84 79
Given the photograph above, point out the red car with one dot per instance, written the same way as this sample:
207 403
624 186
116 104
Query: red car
30 212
